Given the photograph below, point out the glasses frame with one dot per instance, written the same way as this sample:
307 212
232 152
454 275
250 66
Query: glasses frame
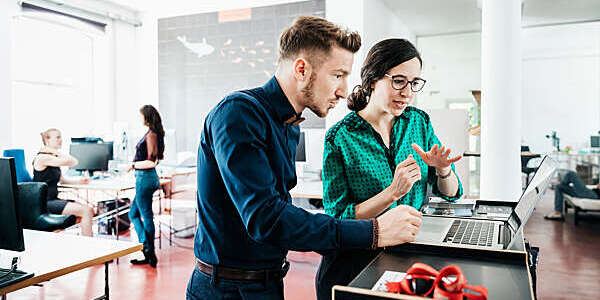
412 82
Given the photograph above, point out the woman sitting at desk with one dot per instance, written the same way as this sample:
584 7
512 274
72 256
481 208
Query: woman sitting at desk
374 158
148 152
46 168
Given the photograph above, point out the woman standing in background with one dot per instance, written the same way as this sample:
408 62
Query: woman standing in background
149 151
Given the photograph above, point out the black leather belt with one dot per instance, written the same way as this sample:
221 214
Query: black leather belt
239 274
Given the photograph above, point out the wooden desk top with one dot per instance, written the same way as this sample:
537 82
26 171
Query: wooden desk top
50 255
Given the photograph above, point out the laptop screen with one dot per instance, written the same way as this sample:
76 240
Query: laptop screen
532 194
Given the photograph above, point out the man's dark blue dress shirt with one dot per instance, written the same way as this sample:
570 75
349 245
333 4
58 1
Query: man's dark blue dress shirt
245 172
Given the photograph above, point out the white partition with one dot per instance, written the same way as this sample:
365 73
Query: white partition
451 126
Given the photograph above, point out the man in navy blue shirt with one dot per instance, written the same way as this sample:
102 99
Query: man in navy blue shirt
247 222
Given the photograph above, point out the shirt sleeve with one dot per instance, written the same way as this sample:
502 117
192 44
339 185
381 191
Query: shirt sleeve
335 184
151 146
432 177
240 140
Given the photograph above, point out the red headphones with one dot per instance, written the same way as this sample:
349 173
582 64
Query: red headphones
423 280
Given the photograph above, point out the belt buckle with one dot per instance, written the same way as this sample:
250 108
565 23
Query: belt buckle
285 268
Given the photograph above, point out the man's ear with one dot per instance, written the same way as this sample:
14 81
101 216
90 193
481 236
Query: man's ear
302 69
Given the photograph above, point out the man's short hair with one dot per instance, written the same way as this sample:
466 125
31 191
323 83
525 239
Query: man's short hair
315 37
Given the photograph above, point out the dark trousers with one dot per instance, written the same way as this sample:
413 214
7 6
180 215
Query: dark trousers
140 213
340 268
203 287
573 186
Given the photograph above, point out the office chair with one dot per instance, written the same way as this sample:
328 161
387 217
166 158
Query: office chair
524 160
33 208
19 155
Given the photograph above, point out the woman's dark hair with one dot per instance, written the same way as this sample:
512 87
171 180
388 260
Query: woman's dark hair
154 122
382 56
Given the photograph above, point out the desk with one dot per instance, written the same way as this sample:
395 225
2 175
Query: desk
49 255
111 185
117 186
308 189
524 154
504 273
182 178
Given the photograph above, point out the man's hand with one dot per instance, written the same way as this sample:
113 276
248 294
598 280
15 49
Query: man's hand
406 174
399 225
84 180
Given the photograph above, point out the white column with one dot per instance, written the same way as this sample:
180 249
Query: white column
501 99
8 9
147 48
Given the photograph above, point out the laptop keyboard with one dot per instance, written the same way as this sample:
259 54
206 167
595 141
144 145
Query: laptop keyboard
476 233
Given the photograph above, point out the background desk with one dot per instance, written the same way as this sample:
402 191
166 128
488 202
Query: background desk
524 154
116 186
308 189
49 255
182 178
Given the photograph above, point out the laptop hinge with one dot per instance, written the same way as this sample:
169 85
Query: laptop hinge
501 235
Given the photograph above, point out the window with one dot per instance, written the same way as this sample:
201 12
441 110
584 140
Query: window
60 79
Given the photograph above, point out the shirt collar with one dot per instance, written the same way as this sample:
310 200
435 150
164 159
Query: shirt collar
357 122
280 104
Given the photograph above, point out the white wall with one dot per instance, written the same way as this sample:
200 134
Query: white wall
147 43
561 79
375 21
7 10
450 126
451 66
116 82
561 84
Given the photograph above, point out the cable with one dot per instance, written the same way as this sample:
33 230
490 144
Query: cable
13 268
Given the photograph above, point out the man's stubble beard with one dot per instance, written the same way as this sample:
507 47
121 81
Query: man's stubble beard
309 97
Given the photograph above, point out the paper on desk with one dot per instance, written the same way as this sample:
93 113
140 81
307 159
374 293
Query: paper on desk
388 276
392 276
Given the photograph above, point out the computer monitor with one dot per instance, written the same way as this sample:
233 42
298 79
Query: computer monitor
11 230
595 141
301 148
87 139
92 157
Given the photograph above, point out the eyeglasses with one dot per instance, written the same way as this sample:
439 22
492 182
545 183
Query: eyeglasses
399 82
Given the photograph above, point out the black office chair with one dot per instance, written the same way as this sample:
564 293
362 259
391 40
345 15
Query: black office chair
33 209
524 161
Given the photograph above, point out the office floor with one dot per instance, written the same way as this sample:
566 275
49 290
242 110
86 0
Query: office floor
569 267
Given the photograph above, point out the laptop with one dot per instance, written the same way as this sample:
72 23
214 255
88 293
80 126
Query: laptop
489 234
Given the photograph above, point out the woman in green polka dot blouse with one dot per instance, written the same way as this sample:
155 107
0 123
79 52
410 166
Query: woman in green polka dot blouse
374 158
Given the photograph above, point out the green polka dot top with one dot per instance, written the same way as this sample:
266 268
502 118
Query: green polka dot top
357 165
